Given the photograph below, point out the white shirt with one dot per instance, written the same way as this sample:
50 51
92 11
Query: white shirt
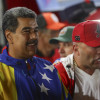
87 87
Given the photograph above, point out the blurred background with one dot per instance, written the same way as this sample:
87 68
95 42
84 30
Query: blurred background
70 12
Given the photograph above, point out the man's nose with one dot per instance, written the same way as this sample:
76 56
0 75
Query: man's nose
61 49
33 35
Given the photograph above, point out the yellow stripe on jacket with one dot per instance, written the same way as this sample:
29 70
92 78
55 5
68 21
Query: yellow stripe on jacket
66 91
7 83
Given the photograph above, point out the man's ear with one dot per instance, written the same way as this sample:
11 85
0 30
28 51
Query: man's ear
76 49
8 35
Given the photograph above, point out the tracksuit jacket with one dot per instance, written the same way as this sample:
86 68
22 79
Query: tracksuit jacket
31 79
65 68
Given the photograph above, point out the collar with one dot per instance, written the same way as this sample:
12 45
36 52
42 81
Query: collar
16 63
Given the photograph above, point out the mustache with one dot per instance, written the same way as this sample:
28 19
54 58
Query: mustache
32 41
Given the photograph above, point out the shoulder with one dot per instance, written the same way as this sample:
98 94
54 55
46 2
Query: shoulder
56 61
65 65
3 58
65 61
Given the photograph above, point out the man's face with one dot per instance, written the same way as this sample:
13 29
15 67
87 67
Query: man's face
89 56
24 40
65 48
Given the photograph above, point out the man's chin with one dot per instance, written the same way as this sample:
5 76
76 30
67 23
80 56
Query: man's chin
30 54
62 55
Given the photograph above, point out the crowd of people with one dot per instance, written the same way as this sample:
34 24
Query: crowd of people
47 60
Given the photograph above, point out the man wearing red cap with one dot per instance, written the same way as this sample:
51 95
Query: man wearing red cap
80 71
49 27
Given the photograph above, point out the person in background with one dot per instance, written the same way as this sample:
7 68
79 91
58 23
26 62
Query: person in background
80 71
64 41
49 27
22 76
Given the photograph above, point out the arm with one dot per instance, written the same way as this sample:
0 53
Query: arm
67 81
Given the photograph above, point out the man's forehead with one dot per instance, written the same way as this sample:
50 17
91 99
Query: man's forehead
54 31
27 22
65 42
22 18
29 28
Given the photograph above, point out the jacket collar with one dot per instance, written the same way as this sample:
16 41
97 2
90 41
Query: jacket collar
16 63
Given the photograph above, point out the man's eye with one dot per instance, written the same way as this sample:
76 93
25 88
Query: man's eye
26 31
36 31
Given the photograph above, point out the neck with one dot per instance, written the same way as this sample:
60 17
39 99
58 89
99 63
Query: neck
86 69
89 71
45 53
13 54
10 52
45 50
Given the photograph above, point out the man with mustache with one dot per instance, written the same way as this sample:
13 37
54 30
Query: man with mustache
22 76
80 71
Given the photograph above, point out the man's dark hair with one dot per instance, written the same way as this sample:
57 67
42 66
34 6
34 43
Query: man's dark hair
10 21
41 22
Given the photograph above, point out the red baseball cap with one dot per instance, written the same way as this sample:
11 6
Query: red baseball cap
50 21
87 32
